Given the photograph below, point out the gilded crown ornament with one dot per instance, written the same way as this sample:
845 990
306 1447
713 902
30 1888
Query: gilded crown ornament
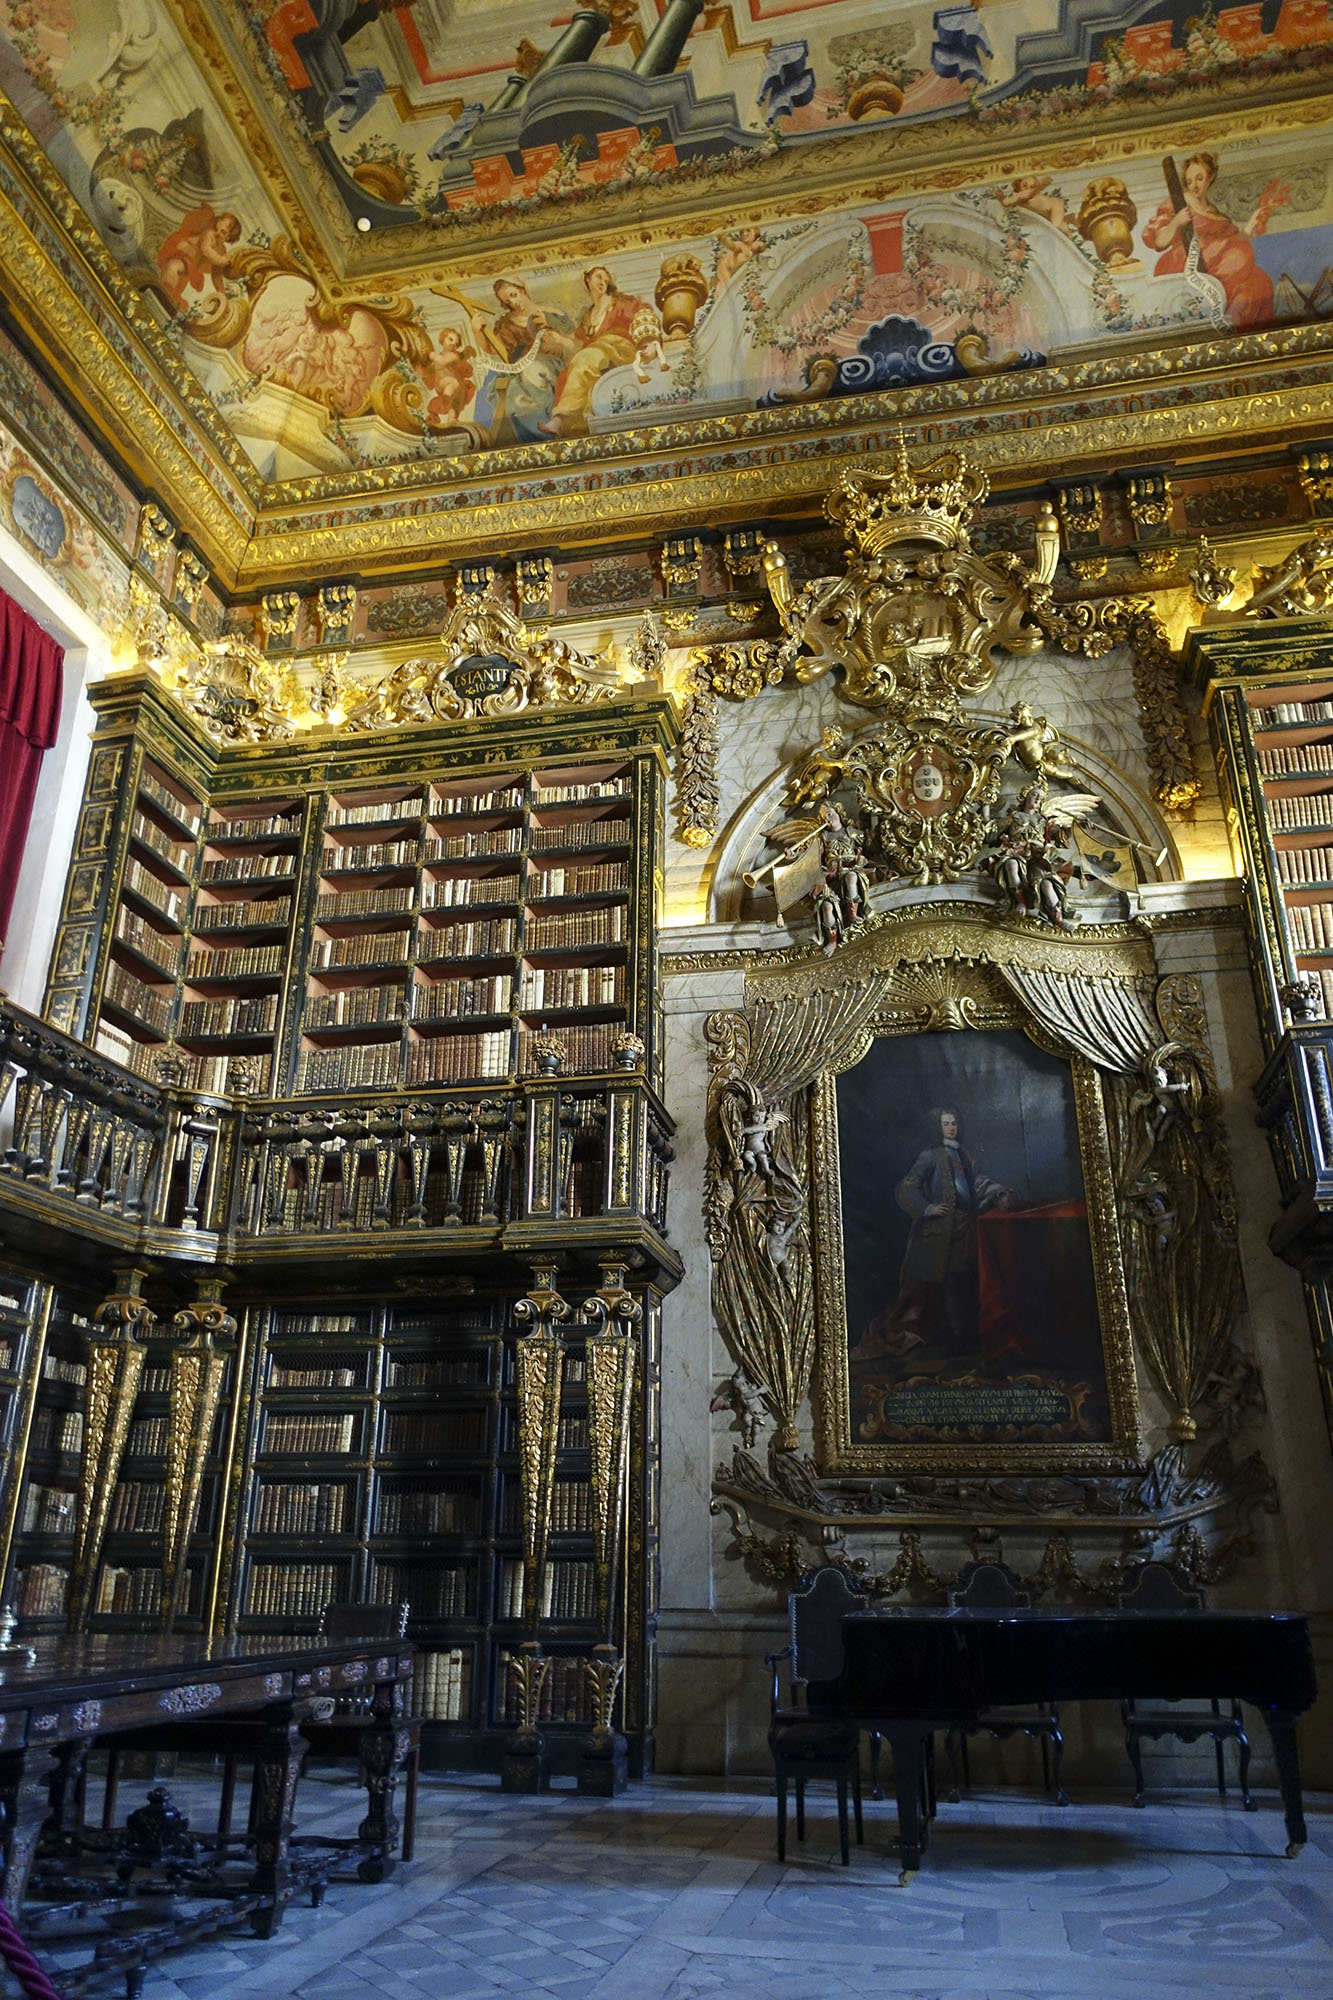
932 503
913 624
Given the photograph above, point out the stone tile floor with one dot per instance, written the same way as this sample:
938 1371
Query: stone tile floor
674 1893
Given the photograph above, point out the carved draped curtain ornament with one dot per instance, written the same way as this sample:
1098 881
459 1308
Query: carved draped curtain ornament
1171 1176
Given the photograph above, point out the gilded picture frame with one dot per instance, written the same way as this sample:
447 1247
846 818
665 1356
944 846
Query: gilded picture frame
971 1364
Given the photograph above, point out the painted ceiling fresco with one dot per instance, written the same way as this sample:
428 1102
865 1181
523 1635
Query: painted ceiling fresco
426 112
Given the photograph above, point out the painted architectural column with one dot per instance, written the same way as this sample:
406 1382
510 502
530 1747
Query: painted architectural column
664 47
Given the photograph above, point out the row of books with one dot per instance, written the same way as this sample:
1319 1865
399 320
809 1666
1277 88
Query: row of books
338 813
123 1048
255 1015
459 1058
456 892
140 878
495 937
442 1685
48 1510
433 1592
473 845
571 1507
568 795
300 1322
162 949
571 986
586 1048
40 1591
603 880
1292 711
366 948
332 1377
565 1695
322 1508
60 1368
137 1507
575 928
1305 809
178 853
248 961
57 1430
129 1593
256 826
147 1437
1305 864
449 804
284 1590
348 903
580 834
364 857
493 993
247 868
365 1066
1298 760
309 1434
458 1371
355 1006
176 808
418 1510
568 1589
1311 925
432 1433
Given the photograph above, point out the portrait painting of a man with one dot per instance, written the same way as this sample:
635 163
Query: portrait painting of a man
968 1274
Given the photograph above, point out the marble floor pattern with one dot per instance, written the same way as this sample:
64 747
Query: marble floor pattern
674 1893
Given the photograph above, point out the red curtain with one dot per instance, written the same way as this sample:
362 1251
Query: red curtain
30 663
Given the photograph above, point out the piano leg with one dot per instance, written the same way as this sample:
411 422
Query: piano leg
1282 1731
907 1742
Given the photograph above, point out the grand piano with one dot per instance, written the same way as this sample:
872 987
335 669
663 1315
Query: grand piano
910 1673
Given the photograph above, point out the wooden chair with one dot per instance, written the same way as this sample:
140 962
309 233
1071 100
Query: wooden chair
808 1733
340 1735
993 1586
1158 1586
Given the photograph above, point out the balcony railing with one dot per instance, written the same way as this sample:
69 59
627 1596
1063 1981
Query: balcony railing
164 1168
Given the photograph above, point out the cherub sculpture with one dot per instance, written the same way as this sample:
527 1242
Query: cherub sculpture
755 1134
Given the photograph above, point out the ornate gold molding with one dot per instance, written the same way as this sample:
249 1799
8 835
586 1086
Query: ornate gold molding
540 1359
205 1335
120 1327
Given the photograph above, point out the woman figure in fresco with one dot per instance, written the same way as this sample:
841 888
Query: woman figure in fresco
612 330
532 342
1224 250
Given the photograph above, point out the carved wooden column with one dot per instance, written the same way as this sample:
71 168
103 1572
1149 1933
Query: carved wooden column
540 1363
205 1335
610 1348
121 1326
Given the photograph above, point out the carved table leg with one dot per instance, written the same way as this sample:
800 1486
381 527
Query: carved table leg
65 1793
383 1747
1282 1730
25 1780
277 1765
907 1743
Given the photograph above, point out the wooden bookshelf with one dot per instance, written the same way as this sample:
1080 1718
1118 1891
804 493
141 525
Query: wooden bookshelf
42 1546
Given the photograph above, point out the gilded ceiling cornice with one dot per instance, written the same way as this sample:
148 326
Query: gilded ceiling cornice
662 501
117 398
848 166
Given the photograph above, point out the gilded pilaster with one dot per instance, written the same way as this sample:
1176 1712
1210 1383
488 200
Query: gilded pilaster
116 1345
205 1335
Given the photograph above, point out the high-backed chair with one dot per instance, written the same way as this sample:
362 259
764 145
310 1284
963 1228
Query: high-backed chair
993 1586
1159 1586
340 1735
808 1732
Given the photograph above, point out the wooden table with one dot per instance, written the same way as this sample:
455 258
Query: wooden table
79 1690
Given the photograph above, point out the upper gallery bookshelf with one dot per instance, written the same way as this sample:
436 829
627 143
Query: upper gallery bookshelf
364 914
